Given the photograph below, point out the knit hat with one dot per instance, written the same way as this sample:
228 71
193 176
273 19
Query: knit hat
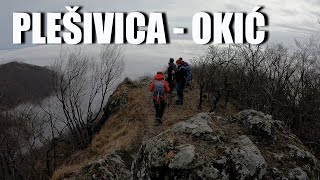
179 61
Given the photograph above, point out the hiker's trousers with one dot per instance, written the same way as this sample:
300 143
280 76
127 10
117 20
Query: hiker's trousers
180 88
171 85
159 106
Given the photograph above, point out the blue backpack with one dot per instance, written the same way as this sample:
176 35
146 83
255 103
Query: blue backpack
158 91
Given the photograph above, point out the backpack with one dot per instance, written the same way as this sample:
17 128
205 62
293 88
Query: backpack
187 67
158 90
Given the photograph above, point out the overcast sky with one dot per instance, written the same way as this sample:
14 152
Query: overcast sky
288 20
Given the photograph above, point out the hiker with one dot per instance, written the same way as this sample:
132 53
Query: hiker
159 87
187 67
171 71
181 80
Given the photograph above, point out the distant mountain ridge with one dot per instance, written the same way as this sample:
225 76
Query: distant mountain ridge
21 82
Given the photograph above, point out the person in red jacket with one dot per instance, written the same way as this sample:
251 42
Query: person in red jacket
159 87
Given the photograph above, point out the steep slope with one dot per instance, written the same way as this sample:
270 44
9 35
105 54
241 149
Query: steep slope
20 82
189 145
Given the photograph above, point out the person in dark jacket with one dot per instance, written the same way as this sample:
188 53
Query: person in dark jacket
159 87
171 71
181 80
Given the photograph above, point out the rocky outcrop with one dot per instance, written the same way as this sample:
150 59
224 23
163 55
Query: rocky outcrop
250 145
196 149
115 166
246 159
258 122
115 103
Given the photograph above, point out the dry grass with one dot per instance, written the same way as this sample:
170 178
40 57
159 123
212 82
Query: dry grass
136 121
66 171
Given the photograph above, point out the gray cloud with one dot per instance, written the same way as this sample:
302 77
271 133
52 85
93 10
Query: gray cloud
314 2
140 60
294 28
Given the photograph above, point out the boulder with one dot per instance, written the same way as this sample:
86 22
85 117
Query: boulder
301 154
260 123
183 157
247 160
298 174
198 127
115 166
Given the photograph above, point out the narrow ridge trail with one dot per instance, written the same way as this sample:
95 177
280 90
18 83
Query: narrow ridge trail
151 126
172 114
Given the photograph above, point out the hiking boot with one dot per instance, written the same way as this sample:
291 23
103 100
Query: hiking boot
159 120
179 102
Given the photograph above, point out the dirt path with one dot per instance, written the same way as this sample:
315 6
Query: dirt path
173 113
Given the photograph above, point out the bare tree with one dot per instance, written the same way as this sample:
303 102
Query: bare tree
210 73
82 83
21 131
278 80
